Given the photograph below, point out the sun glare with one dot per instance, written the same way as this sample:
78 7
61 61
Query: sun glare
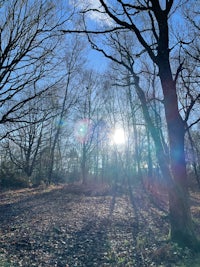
119 137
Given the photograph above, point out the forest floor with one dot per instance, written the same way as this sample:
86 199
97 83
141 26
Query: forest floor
72 225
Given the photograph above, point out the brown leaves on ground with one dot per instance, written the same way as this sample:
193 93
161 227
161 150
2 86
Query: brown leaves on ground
87 226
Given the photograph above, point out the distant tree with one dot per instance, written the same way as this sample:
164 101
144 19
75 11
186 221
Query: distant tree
25 139
193 155
68 93
88 117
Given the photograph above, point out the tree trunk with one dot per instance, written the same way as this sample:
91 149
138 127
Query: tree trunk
149 161
181 223
180 217
174 172
137 160
83 165
179 208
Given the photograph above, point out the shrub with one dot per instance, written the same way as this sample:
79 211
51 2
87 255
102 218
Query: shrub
10 177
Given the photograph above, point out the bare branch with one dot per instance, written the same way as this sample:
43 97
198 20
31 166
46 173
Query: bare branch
192 124
169 4
131 27
189 108
180 68
93 32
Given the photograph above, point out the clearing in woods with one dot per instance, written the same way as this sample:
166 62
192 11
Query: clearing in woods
88 226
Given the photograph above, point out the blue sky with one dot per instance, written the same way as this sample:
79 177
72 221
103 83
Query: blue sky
97 61
95 19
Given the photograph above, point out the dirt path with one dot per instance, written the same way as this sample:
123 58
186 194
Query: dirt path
55 227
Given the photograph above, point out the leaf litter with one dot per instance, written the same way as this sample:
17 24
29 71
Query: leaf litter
84 226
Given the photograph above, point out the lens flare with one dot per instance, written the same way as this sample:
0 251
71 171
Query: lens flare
82 130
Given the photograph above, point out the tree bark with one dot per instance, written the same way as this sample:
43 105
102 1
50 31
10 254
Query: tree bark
179 208
181 223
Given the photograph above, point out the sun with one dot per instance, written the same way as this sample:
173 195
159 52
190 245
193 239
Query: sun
119 136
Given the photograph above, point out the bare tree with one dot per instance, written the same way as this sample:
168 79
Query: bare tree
148 23
28 38
25 139
88 123
69 92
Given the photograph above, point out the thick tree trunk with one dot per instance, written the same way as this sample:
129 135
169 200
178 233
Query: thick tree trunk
179 208
174 172
181 223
